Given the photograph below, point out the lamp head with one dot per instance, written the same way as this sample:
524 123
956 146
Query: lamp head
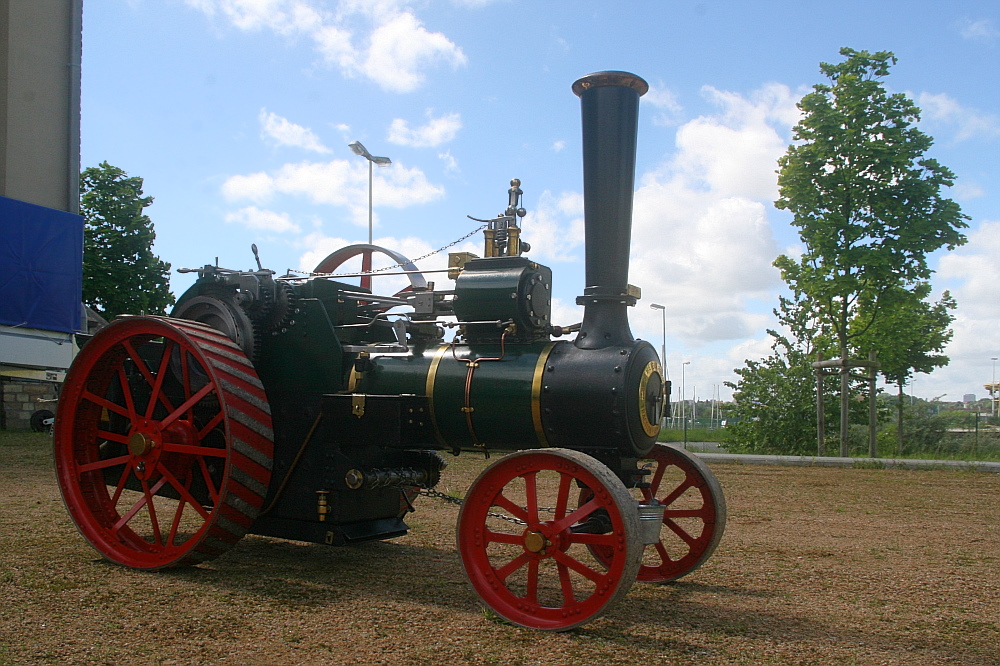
359 149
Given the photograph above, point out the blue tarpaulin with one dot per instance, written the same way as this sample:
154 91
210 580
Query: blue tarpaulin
41 267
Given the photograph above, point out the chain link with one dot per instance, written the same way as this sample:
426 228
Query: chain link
492 514
402 265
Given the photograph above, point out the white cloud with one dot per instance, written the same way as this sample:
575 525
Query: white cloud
973 273
664 100
554 228
450 163
968 123
401 48
264 220
338 183
735 153
558 146
398 48
257 187
286 133
982 30
437 131
702 243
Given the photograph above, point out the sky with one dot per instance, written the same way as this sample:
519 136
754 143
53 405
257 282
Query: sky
238 114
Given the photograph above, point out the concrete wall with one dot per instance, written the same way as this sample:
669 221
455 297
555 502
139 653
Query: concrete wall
40 52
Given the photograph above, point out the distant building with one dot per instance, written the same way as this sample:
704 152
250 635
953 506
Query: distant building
41 233
969 397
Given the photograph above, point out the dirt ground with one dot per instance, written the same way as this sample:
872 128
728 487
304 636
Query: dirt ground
818 566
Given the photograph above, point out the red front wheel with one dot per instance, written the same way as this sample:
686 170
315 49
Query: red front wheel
527 551
163 443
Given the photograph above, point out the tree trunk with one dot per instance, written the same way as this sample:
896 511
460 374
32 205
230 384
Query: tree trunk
899 417
820 410
845 397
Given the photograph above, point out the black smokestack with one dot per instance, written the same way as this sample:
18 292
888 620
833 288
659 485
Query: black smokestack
610 108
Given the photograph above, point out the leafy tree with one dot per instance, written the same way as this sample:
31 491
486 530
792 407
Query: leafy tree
909 337
867 203
121 275
775 410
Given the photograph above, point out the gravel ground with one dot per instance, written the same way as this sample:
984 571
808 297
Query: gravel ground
818 566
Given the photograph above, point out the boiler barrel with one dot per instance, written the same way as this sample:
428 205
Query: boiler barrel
540 394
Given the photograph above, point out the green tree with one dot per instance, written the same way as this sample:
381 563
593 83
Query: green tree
775 398
121 275
909 337
867 203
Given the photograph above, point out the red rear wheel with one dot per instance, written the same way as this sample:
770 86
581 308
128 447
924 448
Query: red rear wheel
694 518
163 443
526 550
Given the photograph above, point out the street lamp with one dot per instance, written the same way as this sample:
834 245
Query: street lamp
684 405
663 350
359 149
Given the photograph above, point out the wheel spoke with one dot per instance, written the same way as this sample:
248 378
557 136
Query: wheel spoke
654 483
504 537
511 566
151 509
504 503
185 494
112 436
578 566
128 515
108 405
210 426
531 496
531 592
677 492
193 450
577 515
562 495
565 584
188 404
703 512
103 464
679 531
133 416
122 480
207 478
175 525
144 370
161 374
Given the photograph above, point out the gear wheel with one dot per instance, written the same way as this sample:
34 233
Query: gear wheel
280 314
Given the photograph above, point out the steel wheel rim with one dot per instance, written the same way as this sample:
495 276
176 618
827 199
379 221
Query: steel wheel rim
560 586
186 443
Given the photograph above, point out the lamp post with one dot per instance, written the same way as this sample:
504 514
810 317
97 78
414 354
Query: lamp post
684 405
359 149
663 351
994 403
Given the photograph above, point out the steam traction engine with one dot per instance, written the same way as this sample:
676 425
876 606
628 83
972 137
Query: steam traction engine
304 408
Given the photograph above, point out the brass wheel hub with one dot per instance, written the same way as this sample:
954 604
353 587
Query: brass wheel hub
140 443
535 542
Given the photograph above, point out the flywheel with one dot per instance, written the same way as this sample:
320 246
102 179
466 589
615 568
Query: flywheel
163 443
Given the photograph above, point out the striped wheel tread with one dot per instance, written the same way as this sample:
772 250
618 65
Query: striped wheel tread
163 443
